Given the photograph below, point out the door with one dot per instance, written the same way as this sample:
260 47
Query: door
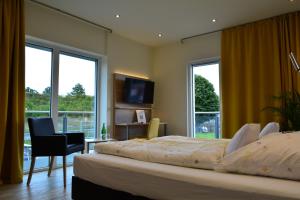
205 109
77 96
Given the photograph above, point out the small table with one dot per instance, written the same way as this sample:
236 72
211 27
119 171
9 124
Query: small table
96 140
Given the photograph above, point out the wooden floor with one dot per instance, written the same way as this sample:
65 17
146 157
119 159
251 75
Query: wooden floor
41 187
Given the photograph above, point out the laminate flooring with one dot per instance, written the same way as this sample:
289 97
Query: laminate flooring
41 187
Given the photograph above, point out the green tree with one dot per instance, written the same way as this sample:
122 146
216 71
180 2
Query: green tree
76 100
31 92
206 99
36 101
77 91
47 91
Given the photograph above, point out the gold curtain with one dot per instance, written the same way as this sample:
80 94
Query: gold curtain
12 84
254 67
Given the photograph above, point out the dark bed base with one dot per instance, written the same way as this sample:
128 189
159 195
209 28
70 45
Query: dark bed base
82 189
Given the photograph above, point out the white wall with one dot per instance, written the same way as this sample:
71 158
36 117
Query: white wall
126 56
50 25
167 65
170 69
119 54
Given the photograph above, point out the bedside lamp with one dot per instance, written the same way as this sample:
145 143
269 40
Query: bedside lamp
294 62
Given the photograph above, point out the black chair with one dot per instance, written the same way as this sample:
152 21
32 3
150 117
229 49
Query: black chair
45 142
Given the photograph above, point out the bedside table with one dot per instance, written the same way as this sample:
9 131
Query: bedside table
94 141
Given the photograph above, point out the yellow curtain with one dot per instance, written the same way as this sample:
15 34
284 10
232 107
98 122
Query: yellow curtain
12 80
254 67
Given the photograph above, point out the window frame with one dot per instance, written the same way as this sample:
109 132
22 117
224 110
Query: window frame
191 96
58 49
100 77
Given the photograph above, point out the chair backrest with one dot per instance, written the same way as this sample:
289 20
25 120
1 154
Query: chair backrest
40 126
153 128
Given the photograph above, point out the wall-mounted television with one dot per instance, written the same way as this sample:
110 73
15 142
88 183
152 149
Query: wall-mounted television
138 91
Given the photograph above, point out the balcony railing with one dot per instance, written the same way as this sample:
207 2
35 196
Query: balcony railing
207 125
84 121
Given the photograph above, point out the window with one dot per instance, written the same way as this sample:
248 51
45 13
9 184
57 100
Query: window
38 90
205 100
77 95
61 83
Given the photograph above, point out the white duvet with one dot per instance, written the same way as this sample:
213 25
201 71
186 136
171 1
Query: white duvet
276 155
173 150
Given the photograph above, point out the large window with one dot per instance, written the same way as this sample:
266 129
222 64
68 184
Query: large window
77 95
38 90
62 84
205 98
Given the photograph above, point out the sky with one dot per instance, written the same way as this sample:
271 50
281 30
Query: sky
211 73
72 70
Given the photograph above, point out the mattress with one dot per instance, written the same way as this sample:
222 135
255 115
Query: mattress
161 181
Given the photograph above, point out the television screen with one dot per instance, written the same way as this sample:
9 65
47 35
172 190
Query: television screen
138 91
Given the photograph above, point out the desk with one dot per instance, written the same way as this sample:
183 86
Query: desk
129 125
90 141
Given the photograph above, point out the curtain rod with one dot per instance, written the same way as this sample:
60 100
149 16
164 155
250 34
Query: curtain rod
71 15
198 35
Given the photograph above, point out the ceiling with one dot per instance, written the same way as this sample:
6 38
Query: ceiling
143 20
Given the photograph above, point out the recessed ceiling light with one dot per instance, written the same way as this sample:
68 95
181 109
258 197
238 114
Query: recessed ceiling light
117 16
214 20
160 35
291 0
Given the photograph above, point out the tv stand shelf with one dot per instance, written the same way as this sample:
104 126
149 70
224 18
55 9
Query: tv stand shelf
124 114
131 126
133 108
138 124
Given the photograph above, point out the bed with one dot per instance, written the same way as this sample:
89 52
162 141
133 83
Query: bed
118 177
108 175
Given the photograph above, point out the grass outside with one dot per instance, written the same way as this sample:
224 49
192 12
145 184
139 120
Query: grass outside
205 135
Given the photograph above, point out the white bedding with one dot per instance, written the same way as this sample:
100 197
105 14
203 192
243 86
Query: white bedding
276 155
160 181
173 150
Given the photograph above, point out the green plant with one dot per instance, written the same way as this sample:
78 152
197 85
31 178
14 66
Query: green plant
289 110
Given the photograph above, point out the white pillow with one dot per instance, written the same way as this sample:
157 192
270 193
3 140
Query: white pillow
277 155
245 135
272 127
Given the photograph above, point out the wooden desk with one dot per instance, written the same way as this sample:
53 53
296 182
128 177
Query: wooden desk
130 125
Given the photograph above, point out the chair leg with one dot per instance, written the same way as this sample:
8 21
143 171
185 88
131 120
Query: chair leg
31 170
65 171
51 165
82 152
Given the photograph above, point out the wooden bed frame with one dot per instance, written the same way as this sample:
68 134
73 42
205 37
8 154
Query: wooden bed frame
82 189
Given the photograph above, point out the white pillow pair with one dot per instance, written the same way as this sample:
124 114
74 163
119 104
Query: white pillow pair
272 127
250 133
277 155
